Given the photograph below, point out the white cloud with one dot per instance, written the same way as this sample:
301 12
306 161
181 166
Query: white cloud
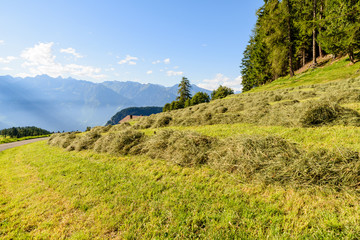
6 69
7 59
40 54
149 72
80 70
110 69
41 60
128 59
166 61
71 51
220 79
2 42
173 73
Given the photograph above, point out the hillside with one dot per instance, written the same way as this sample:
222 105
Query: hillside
45 101
137 111
281 161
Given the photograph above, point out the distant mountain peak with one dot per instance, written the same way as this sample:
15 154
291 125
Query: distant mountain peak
68 104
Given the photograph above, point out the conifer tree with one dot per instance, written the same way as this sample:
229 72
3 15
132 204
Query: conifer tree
314 32
303 24
288 31
184 90
342 27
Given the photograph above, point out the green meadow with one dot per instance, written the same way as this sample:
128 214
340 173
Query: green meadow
279 162
49 193
9 139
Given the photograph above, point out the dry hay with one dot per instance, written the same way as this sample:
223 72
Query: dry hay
119 143
182 148
62 140
323 113
270 160
84 142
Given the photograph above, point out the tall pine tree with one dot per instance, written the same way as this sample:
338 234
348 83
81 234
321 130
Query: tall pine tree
184 90
341 34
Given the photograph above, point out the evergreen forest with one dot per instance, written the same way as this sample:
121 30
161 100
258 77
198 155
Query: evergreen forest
291 33
18 132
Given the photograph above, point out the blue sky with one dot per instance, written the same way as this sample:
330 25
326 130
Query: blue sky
148 41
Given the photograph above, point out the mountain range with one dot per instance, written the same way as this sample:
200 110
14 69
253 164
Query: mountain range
67 104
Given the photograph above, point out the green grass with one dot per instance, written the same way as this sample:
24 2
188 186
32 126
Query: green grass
48 193
9 140
330 137
332 71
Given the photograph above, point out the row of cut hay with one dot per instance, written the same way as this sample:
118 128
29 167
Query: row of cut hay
273 160
285 107
285 113
270 160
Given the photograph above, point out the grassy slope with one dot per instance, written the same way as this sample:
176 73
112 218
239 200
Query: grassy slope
86 195
51 193
330 137
9 140
331 71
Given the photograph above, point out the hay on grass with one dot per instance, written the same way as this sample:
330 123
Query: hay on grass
120 127
254 157
269 160
339 169
163 121
323 113
146 122
119 143
182 148
273 160
62 140
84 142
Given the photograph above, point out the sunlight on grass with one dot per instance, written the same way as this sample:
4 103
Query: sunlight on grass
331 137
9 140
51 193
338 70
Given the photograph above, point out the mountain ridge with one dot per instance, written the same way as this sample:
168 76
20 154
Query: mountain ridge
68 104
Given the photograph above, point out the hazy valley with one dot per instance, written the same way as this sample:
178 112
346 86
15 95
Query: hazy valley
58 104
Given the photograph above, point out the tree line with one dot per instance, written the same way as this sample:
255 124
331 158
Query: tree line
290 33
186 100
19 132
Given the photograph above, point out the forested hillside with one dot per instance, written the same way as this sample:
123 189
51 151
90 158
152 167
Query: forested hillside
138 111
290 33
19 132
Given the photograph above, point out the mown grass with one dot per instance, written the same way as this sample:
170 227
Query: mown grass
280 164
334 70
330 137
48 193
9 140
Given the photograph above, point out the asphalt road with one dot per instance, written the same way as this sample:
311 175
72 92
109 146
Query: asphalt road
19 143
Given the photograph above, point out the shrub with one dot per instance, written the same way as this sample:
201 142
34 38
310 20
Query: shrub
167 107
199 97
221 92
